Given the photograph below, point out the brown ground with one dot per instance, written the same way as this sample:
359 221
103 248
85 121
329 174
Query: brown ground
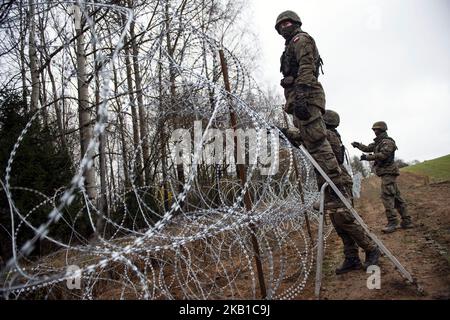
423 251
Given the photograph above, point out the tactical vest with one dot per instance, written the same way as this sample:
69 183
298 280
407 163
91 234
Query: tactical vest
289 64
389 160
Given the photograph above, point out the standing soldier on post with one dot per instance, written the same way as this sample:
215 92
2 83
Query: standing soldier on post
305 100
383 154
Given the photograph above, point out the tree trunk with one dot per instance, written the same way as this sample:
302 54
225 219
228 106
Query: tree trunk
163 139
34 103
122 128
22 54
172 76
142 113
45 113
102 200
83 108
134 117
57 105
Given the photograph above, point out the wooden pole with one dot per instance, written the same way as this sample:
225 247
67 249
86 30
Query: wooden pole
242 173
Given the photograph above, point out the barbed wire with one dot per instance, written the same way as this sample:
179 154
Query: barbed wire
200 246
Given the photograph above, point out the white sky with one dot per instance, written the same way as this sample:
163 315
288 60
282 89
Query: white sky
384 60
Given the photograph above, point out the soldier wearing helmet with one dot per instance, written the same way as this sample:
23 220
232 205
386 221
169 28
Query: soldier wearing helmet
332 120
305 98
351 233
383 154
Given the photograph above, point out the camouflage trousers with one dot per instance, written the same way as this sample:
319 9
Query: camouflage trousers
311 101
350 232
392 199
314 139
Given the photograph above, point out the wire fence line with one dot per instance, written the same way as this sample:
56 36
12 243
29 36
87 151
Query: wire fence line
193 239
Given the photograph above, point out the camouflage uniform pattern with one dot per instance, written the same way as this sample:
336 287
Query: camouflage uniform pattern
334 138
344 223
383 149
305 100
303 91
351 233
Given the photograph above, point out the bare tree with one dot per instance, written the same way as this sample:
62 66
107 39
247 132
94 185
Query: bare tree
32 52
83 104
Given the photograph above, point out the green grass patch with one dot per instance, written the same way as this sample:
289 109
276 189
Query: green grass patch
437 169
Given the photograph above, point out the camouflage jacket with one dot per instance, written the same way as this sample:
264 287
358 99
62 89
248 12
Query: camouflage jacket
334 138
301 62
383 149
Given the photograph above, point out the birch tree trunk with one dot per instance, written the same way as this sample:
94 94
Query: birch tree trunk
134 116
34 103
83 105
23 72
102 200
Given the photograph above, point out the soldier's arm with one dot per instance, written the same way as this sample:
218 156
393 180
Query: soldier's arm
386 149
304 53
293 135
363 147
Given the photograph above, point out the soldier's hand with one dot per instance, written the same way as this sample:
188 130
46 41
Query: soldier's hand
283 130
355 144
363 157
287 82
301 106
289 136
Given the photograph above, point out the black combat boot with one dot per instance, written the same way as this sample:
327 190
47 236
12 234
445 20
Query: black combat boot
390 227
349 264
372 258
406 224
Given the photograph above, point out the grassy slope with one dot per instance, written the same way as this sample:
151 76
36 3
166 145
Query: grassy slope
437 169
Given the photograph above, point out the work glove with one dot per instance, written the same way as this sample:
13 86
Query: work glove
363 157
287 82
356 144
301 102
301 112
289 136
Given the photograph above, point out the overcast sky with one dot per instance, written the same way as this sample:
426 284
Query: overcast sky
384 60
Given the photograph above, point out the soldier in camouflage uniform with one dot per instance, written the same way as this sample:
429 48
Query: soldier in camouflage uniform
332 120
305 100
351 233
383 154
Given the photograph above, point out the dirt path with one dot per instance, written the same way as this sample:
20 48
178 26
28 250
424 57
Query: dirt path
424 250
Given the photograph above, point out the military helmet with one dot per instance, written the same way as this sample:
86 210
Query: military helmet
380 125
331 118
288 15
